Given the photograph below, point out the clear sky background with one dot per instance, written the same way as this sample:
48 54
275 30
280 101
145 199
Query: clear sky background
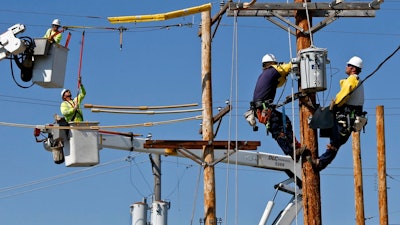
160 64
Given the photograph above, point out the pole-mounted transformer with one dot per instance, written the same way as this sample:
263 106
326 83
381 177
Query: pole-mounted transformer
312 64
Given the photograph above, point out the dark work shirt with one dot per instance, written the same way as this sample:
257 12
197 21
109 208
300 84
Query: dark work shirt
266 86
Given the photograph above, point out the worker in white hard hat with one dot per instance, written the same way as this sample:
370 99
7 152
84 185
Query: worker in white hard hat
54 34
70 108
347 108
279 125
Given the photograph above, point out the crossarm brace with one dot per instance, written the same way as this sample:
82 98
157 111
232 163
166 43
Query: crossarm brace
286 21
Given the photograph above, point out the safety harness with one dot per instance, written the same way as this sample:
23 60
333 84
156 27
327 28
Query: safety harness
76 111
53 35
262 110
351 118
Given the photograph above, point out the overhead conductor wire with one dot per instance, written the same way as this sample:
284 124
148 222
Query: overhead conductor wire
234 77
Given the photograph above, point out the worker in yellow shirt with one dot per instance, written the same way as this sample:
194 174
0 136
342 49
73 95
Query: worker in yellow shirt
70 108
347 108
274 75
54 34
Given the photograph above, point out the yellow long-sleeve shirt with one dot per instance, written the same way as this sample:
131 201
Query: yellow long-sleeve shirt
283 69
67 107
348 86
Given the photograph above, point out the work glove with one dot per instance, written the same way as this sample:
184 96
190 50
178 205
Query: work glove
249 115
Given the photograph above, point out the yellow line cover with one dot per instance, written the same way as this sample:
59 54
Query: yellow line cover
161 16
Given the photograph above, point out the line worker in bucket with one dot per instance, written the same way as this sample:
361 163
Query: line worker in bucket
70 108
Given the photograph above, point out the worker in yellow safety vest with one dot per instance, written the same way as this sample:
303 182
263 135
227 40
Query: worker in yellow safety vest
53 34
70 108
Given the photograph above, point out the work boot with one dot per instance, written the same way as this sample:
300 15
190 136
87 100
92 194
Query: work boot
298 152
314 162
331 147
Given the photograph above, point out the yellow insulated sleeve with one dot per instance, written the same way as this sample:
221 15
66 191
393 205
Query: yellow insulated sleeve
188 11
134 19
159 17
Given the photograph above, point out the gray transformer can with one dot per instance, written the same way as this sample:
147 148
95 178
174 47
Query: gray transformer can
313 69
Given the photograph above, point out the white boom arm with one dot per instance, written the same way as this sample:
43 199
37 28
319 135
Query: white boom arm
82 146
9 44
245 158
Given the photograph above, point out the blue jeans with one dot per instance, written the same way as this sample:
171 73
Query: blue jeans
336 140
281 129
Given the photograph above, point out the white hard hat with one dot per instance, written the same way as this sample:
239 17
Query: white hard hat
56 22
268 58
63 91
356 61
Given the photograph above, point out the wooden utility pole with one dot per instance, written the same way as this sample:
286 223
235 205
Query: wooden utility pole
330 11
382 195
156 167
358 180
208 133
308 136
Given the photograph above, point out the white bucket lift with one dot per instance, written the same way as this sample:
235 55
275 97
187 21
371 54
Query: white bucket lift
50 61
313 69
82 148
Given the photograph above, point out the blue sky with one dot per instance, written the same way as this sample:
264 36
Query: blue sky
160 64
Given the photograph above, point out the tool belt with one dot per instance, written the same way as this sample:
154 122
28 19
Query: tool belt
261 104
263 110
351 118
352 110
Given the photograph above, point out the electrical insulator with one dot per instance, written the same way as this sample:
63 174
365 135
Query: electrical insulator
36 132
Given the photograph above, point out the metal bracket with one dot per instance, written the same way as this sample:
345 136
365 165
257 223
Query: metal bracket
190 155
286 21
332 17
324 23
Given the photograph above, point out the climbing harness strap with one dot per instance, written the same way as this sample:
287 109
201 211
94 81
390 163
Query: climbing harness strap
284 119
76 111
53 35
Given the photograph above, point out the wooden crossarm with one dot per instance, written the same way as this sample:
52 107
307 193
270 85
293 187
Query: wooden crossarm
193 144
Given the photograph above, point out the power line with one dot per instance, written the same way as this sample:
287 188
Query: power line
51 14
60 176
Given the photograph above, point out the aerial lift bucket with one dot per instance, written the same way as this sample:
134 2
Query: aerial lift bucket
50 62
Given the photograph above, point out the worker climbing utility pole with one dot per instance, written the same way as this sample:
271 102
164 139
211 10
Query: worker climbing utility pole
358 181
329 11
308 136
207 127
